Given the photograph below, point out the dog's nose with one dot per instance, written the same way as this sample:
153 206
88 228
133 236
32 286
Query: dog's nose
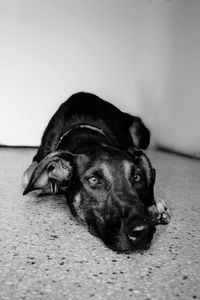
127 234
137 232
141 235
140 232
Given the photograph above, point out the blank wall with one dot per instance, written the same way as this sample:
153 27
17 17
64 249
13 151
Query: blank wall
142 56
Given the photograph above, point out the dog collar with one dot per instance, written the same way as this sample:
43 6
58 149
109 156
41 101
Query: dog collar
94 128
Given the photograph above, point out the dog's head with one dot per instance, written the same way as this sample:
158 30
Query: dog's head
107 189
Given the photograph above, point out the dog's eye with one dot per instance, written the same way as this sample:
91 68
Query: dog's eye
137 178
93 180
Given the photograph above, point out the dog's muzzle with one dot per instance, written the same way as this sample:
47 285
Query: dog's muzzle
139 231
127 235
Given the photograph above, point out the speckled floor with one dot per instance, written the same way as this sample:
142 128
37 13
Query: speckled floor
45 254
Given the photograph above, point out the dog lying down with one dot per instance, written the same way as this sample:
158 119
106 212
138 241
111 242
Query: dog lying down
91 152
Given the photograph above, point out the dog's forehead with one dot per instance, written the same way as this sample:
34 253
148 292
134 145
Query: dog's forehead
109 164
112 154
108 161
111 158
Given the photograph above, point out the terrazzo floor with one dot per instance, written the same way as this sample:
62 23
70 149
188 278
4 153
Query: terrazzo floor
46 254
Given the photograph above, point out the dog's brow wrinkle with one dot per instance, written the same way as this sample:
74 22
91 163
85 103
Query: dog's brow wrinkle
127 168
107 172
78 199
147 168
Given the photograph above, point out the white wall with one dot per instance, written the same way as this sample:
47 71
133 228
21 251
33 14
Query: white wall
142 55
171 95
54 48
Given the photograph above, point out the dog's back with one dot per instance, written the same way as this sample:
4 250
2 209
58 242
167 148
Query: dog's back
85 108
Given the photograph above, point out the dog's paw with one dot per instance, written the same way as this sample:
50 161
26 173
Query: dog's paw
159 212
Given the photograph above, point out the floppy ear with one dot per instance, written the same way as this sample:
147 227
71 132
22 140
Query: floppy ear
54 171
28 173
141 160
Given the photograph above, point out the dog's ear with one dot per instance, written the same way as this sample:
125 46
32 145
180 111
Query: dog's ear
142 161
28 173
54 170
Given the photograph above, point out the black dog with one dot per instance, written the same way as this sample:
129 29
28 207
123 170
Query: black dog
90 152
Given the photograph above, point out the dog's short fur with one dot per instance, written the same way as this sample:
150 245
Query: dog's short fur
91 151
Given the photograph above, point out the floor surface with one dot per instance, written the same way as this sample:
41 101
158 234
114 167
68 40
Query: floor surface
46 254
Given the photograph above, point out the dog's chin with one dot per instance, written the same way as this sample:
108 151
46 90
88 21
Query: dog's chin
133 239
127 249
127 244
130 248
141 247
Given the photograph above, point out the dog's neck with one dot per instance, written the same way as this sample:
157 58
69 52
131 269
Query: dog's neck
82 136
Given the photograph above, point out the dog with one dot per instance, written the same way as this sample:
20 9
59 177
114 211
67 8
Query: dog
93 153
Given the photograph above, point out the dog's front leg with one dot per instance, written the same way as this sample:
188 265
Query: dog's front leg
159 211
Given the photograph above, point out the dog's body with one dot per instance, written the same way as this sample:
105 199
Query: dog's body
90 152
